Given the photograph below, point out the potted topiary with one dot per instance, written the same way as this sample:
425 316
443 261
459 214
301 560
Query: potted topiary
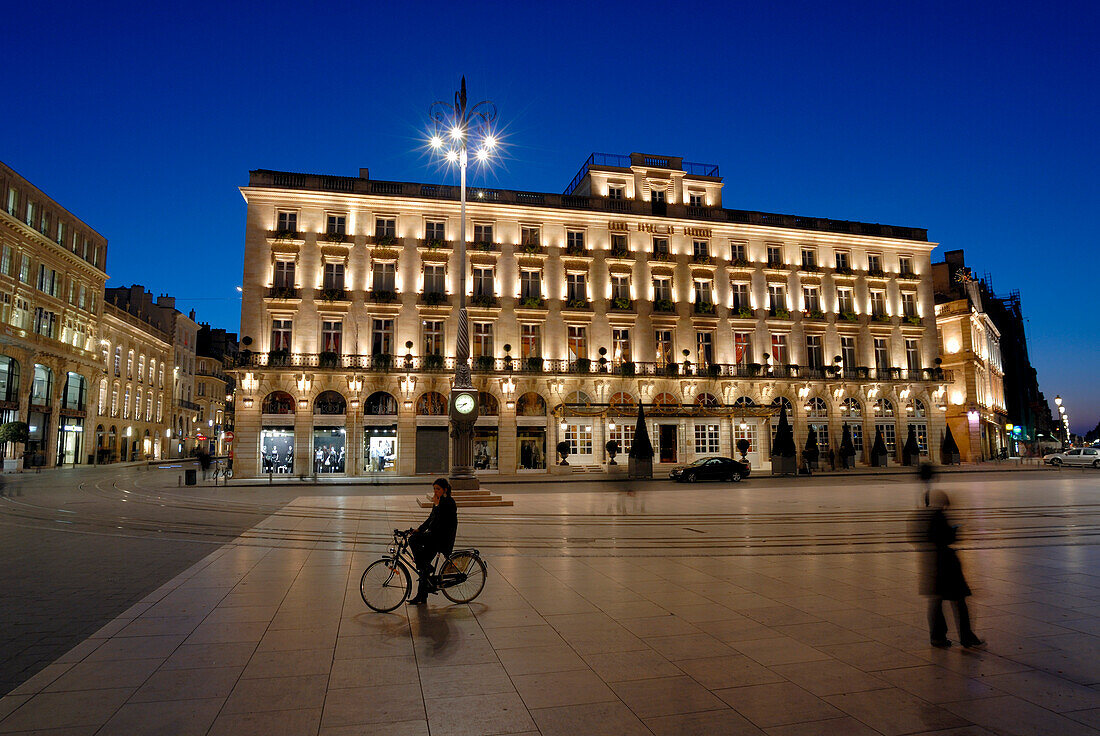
278 358
12 434
910 454
327 359
484 363
784 461
433 362
563 452
535 364
743 446
847 448
381 361
878 450
621 302
949 451
583 365
640 463
612 447
627 368
812 453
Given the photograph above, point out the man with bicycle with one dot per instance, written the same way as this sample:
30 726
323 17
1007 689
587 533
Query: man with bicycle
436 535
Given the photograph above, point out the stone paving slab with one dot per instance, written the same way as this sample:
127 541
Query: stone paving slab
276 640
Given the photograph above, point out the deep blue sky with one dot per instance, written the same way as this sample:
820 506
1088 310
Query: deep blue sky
979 123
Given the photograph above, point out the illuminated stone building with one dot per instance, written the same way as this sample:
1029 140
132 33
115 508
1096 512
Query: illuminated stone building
134 399
971 350
634 286
51 287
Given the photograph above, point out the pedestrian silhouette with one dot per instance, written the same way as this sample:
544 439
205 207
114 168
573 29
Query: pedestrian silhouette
942 578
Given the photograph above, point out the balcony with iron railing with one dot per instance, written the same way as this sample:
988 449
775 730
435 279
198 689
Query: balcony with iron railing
537 365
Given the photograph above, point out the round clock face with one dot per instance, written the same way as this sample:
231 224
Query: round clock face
464 403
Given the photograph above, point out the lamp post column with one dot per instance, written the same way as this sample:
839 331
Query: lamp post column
462 432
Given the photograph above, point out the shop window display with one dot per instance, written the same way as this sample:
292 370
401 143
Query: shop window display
277 450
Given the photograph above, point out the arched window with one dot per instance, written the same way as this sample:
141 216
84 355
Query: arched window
916 408
330 402
431 404
816 408
744 402
9 379
118 361
141 369
114 399
664 403
488 406
42 386
578 397
137 405
782 402
276 402
106 352
130 365
884 408
152 370
531 404
850 407
622 400
380 403
126 403
102 396
76 390
705 399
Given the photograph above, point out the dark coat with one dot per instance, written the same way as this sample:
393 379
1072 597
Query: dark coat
943 575
441 526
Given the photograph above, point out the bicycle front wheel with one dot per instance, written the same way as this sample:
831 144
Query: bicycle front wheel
385 585
462 577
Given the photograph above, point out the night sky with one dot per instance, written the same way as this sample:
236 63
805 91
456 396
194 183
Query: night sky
978 124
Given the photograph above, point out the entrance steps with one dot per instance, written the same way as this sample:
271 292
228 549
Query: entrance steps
469 499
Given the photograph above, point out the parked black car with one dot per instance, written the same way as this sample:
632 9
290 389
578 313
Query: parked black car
711 468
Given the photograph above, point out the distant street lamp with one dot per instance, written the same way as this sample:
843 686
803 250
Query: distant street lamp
457 127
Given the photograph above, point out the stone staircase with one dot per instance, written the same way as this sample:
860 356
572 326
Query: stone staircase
469 499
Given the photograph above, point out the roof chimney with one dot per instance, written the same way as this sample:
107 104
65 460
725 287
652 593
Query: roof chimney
364 173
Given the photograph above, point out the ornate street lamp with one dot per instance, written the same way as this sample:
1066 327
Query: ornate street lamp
457 129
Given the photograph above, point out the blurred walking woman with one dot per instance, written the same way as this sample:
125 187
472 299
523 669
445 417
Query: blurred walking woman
943 576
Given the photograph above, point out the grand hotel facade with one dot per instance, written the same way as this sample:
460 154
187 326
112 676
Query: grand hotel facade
633 287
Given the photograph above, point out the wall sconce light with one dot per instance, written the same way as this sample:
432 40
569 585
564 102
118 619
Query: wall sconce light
354 403
803 392
510 404
249 382
408 385
508 386
903 394
408 404
743 426
611 426
564 425
355 384
304 383
302 403
973 416
247 403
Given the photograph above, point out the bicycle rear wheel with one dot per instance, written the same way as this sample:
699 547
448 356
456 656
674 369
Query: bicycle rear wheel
462 577
385 585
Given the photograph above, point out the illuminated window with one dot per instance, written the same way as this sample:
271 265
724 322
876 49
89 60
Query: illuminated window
483 233
874 263
848 352
483 281
381 337
433 337
483 339
742 347
574 240
579 437
620 345
530 283
385 227
809 258
433 229
841 260
578 342
664 345
912 355
435 278
280 339
384 277
737 252
845 301
530 341
775 256
882 358
706 439
815 356
700 248
660 246
878 303
704 347
620 286
662 288
905 265
811 298
616 191
908 304
740 292
287 221
332 334
336 225
334 276
284 274
576 287
779 348
530 236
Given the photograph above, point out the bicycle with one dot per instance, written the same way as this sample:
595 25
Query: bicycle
387 583
223 470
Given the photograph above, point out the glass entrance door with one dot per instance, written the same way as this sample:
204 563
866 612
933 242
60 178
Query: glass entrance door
667 442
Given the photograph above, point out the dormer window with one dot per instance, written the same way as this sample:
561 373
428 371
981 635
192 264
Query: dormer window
696 200
616 191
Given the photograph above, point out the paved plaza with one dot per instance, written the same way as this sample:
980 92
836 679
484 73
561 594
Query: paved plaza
774 606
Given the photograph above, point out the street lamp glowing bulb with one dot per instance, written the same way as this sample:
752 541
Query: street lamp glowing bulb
452 156
490 142
436 142
456 132
482 154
